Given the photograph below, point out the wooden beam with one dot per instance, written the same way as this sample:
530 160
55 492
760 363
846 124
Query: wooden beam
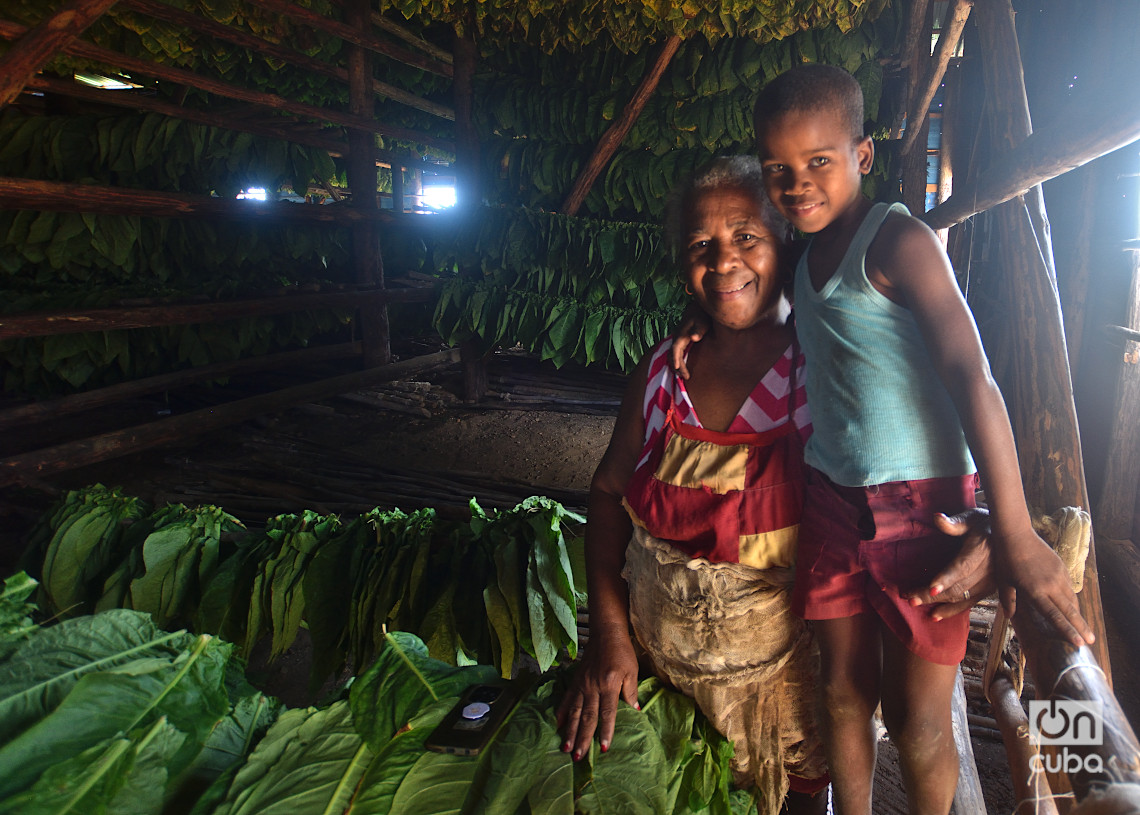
40 44
1089 127
357 36
53 196
176 429
615 133
912 165
384 24
275 128
466 135
1020 753
1066 673
919 105
228 33
968 795
112 394
50 323
9 30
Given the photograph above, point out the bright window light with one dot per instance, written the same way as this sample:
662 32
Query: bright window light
105 82
253 194
439 197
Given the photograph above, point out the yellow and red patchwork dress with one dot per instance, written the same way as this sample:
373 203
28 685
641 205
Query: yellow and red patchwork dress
710 570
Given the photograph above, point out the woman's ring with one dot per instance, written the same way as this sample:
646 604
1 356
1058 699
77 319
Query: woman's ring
966 594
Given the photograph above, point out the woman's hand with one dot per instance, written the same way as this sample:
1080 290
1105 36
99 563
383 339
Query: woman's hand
607 673
1032 571
969 577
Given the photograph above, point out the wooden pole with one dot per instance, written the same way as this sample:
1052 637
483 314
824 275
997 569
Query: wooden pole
1088 128
9 30
53 196
41 43
1065 673
180 428
968 796
1020 753
948 40
50 323
615 133
367 262
100 397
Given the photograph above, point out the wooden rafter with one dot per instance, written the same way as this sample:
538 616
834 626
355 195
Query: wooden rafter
36 46
228 33
617 131
359 36
50 323
11 31
54 196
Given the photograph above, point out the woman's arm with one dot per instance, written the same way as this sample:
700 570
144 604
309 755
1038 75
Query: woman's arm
608 670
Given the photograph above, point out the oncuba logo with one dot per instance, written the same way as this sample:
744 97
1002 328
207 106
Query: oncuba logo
1065 724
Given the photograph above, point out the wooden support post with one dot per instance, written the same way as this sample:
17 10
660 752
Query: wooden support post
177 429
612 138
913 162
40 44
1122 468
367 262
1041 404
397 188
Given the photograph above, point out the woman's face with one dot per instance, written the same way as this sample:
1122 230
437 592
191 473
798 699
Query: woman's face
731 258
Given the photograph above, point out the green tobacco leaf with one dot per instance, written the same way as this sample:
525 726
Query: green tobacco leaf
119 776
630 778
43 670
187 688
402 681
15 612
555 575
545 630
327 604
309 761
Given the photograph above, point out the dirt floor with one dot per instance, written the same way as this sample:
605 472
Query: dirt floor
538 431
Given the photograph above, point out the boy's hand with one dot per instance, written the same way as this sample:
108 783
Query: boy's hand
969 577
694 325
1033 572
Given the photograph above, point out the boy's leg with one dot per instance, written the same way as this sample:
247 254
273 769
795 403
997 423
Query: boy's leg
850 667
917 698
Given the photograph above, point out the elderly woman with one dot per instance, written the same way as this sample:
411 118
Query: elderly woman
695 506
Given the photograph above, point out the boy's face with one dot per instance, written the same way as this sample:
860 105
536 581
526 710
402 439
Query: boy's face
731 258
813 169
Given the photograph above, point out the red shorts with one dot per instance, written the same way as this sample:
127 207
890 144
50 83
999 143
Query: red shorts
860 547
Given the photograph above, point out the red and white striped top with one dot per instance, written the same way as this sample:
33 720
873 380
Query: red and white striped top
764 409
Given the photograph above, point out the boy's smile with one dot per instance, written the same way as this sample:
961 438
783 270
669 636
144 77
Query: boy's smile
813 169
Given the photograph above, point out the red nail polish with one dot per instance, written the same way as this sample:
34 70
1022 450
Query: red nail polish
605 746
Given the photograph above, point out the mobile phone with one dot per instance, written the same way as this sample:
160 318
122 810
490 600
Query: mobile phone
468 726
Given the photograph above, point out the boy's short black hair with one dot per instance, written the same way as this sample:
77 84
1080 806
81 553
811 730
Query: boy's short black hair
812 87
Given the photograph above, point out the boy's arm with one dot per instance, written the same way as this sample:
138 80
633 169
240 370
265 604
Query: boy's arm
908 264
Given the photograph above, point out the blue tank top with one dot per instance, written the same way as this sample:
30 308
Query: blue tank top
879 409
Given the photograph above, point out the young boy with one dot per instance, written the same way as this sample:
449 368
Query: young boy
901 396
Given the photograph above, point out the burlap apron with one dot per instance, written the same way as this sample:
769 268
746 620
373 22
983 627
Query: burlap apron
724 634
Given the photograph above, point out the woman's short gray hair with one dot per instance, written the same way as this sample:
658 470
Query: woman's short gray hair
745 172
